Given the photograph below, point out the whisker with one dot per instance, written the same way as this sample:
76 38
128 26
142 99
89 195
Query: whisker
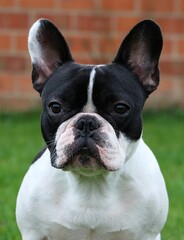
50 143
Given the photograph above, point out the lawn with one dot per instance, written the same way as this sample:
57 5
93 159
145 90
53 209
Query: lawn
20 140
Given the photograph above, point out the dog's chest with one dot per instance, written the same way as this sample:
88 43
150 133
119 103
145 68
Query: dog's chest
87 209
90 234
89 223
89 214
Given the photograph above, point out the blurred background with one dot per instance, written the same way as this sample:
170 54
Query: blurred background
94 30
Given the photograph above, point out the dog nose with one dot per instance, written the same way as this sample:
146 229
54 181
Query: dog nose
86 125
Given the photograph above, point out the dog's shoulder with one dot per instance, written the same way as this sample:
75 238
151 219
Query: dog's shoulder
41 152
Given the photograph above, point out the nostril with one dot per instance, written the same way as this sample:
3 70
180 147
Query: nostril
81 123
87 124
93 125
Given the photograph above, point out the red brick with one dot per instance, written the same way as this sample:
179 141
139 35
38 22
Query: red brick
25 84
181 5
171 25
12 63
36 3
167 46
100 60
180 45
117 5
172 67
109 44
5 42
13 21
154 6
77 5
83 59
6 3
21 41
18 103
94 30
80 43
124 24
93 23
166 86
90 59
6 83
159 98
62 21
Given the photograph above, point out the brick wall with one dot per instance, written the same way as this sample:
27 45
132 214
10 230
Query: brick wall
94 30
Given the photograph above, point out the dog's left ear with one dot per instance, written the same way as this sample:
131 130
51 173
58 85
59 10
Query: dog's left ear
140 52
48 50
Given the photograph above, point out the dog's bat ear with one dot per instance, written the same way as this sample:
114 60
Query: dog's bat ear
48 51
140 52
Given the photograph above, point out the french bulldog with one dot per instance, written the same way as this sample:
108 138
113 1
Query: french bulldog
96 179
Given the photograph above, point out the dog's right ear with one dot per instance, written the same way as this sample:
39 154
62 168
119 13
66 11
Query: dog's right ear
140 52
48 51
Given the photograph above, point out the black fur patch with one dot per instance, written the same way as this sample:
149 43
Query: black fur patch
39 154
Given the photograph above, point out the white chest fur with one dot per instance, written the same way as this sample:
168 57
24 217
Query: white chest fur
60 205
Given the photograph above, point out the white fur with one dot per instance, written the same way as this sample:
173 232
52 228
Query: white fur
89 107
129 204
39 55
33 45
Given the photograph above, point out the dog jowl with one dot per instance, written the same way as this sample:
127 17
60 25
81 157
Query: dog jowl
96 178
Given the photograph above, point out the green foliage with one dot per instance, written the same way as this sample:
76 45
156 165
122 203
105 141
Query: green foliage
20 140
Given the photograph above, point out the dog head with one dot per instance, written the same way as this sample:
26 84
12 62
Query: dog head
91 118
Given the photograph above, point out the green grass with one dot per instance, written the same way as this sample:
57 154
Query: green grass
20 140
164 133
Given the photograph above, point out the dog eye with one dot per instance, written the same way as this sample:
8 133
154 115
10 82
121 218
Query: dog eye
55 107
121 108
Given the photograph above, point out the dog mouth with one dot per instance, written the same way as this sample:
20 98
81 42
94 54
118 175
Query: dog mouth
85 158
82 156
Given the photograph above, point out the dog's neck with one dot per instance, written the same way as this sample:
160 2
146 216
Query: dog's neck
86 186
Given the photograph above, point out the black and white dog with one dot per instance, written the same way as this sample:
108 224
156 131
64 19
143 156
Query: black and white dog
96 179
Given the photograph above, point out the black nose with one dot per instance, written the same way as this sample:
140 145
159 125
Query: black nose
86 125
